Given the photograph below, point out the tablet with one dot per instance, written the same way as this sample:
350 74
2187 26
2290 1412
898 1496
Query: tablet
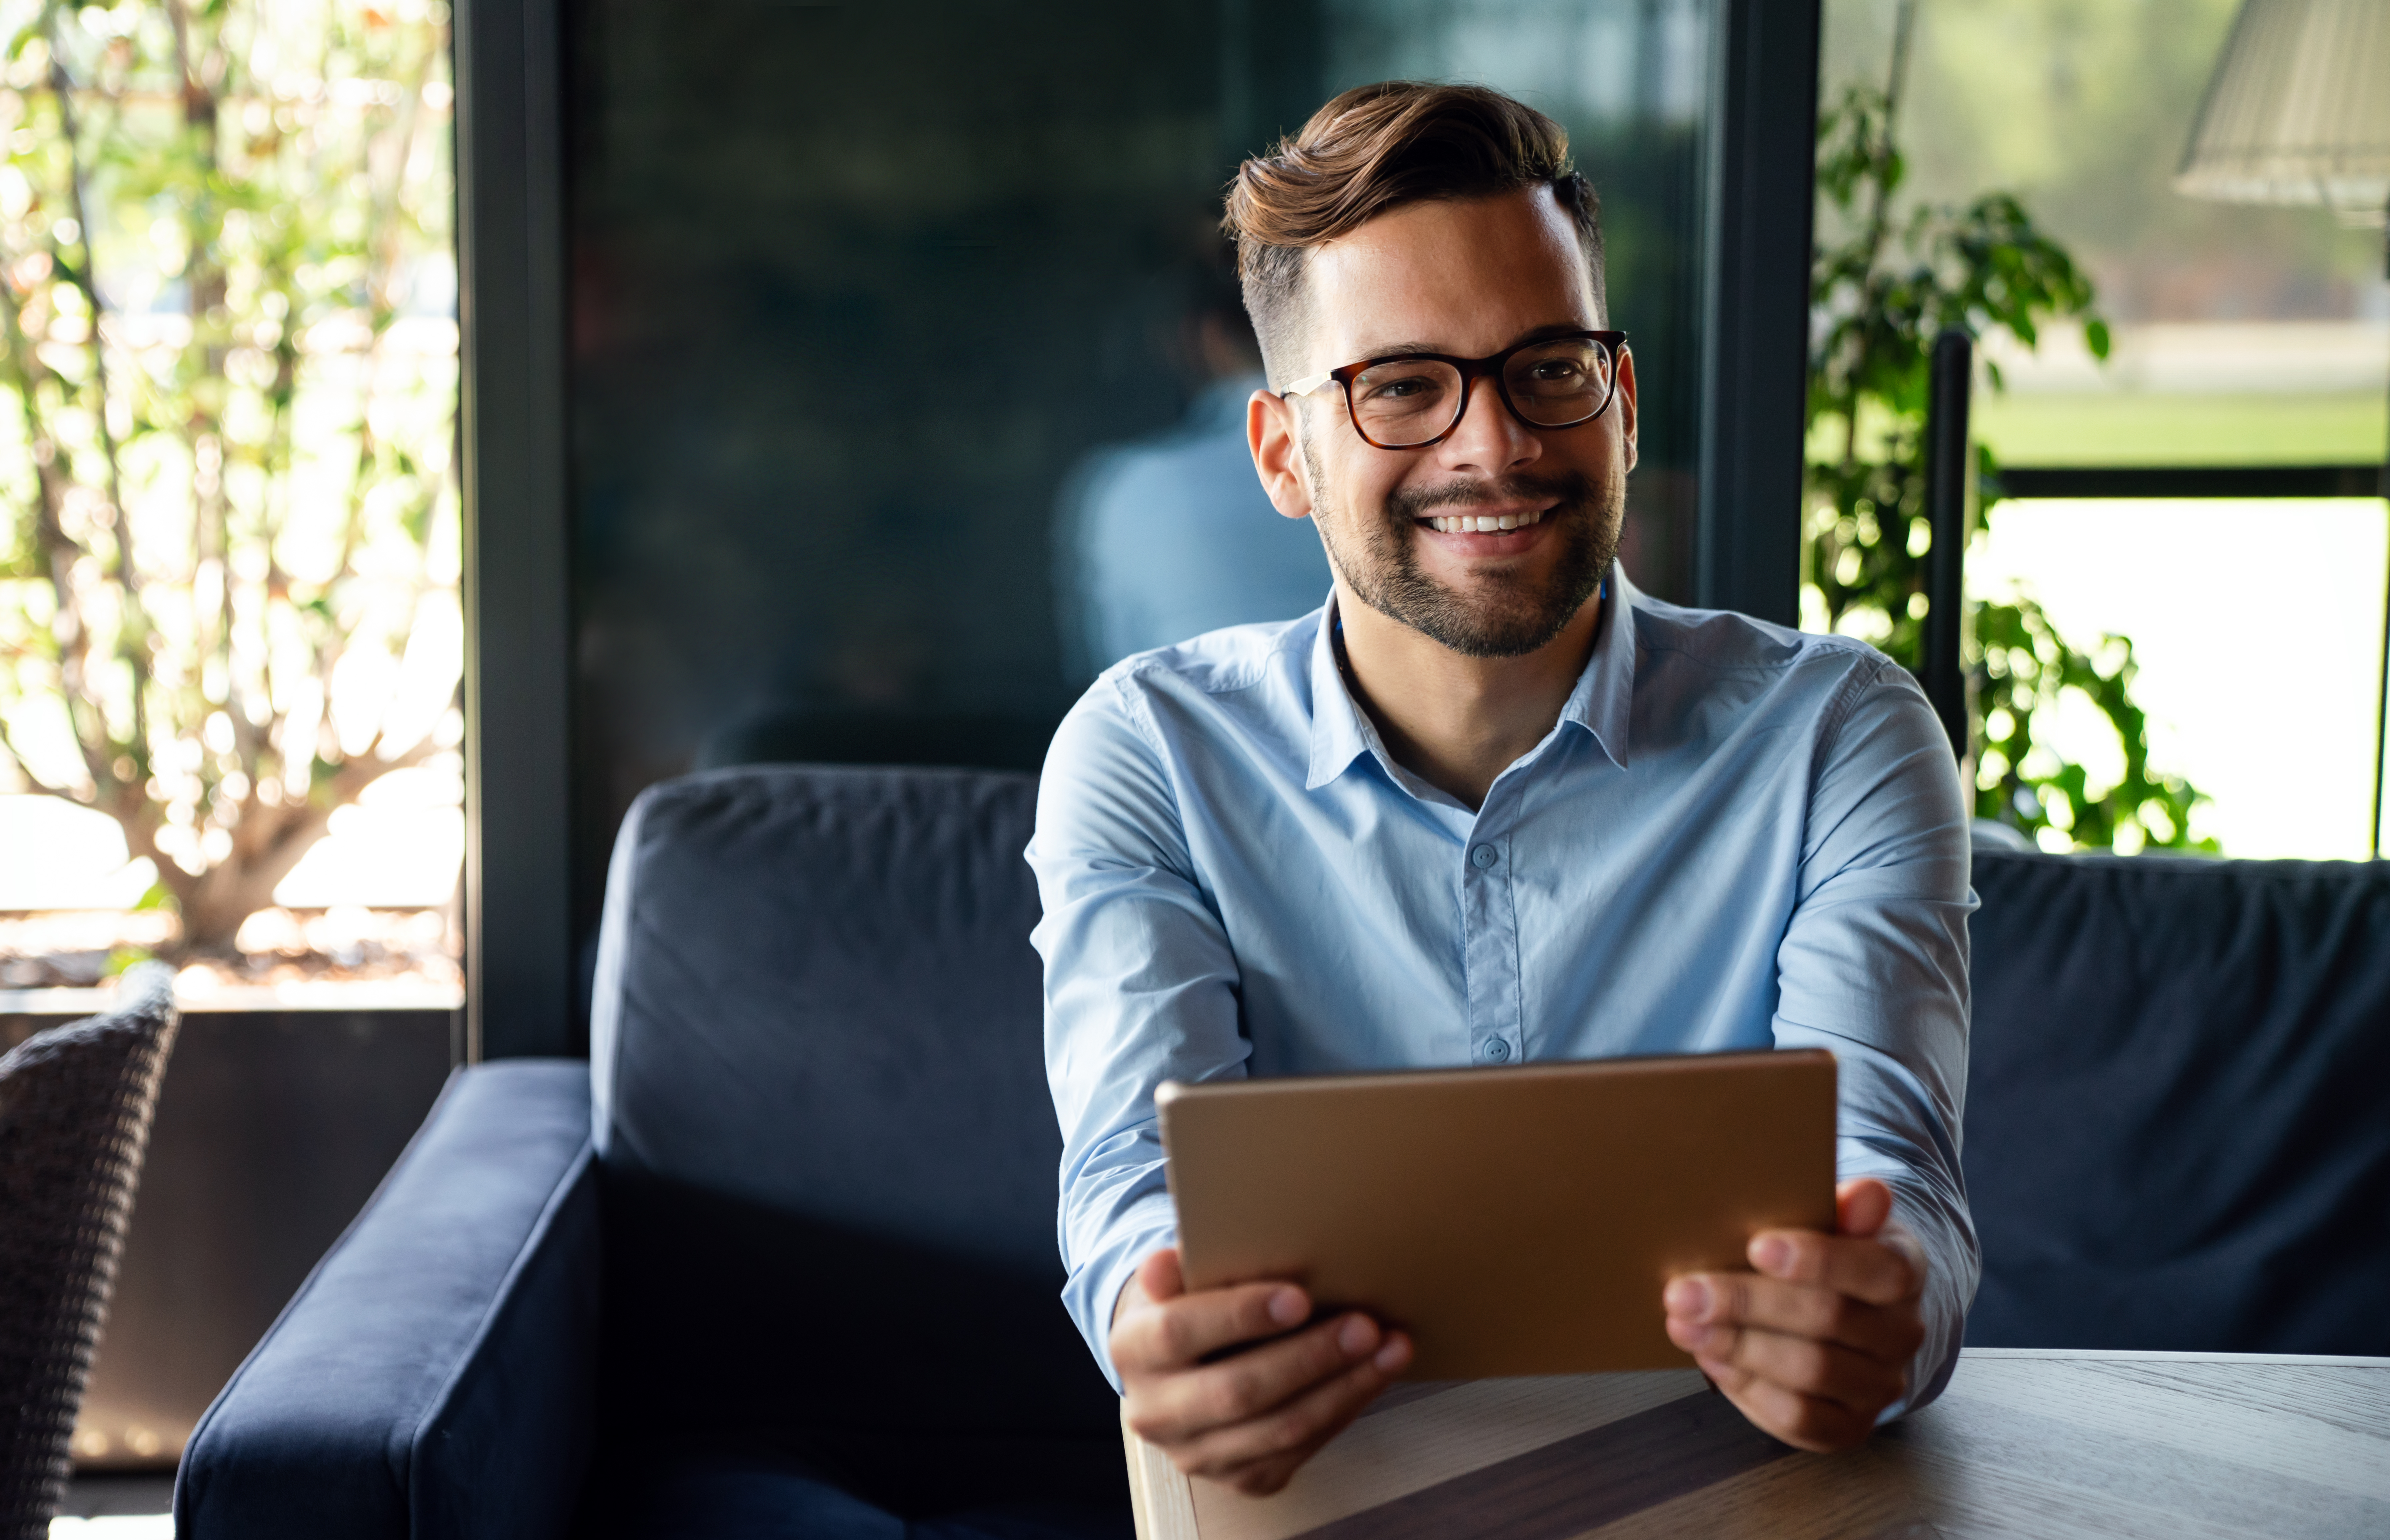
1513 1220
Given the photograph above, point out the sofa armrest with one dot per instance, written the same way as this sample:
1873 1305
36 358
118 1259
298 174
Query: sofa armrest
436 1374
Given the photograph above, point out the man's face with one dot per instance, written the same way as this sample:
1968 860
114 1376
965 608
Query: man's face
1469 279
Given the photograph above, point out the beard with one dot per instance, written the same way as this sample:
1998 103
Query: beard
1507 612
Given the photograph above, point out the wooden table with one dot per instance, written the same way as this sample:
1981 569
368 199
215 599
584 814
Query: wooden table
2047 1445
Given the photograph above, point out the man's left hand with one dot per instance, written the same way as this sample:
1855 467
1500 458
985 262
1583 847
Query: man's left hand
1815 1344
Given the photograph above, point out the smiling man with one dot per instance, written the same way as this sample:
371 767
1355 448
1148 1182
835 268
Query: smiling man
1489 804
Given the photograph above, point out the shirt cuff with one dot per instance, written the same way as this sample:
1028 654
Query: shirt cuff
1093 1290
1949 1287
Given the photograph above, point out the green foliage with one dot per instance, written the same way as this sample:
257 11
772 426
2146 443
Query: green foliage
1880 295
2021 666
227 520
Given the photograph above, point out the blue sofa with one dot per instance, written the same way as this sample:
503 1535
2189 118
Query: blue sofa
779 1260
2175 1134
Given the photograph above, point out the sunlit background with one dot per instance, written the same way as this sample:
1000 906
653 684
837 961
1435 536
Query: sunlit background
2244 336
268 388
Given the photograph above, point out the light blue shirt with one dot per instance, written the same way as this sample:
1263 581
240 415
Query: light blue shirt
1172 536
1735 836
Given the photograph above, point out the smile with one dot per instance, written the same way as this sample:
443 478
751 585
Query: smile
1483 524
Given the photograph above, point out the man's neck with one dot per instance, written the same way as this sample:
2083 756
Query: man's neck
1457 722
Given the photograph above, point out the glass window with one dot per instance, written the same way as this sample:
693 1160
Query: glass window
2244 336
2270 717
907 367
230 637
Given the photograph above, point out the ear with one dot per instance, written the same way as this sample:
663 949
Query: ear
1625 405
1270 429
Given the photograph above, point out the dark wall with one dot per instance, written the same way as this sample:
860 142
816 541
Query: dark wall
855 286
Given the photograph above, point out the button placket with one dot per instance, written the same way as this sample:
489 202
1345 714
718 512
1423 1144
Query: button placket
1489 942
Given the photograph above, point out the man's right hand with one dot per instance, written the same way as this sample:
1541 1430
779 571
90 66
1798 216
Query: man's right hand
1224 1383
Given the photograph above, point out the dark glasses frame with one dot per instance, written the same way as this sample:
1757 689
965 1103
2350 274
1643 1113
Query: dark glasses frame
1612 342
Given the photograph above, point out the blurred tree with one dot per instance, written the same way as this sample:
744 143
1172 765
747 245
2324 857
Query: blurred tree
1881 290
227 554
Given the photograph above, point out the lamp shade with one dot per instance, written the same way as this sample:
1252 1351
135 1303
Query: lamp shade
2298 110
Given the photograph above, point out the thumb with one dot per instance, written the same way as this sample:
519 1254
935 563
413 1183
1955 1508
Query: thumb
1861 1206
1160 1276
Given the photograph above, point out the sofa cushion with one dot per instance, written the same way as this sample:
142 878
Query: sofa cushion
2174 1135
829 1154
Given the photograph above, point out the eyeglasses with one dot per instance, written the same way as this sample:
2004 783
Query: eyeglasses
1413 400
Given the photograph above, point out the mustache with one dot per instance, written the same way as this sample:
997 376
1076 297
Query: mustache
1569 490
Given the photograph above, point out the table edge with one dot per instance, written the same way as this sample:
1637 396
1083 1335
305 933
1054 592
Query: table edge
2140 1355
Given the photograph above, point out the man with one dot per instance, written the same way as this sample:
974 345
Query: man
1490 804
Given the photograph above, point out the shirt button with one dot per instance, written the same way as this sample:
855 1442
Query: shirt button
1496 1050
1483 857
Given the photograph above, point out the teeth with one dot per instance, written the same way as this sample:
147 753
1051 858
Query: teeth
1471 523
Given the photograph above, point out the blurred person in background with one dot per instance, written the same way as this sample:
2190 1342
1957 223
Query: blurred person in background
1163 538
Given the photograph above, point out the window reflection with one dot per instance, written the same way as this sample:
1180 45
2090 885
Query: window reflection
781 215
1169 536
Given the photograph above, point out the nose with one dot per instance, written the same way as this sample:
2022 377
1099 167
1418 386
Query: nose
1488 439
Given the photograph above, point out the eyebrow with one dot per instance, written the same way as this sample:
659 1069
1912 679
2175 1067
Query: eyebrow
1536 334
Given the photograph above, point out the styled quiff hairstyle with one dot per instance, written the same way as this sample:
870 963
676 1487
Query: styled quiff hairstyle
1374 149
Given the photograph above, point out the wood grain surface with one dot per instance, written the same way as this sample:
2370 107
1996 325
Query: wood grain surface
2048 1445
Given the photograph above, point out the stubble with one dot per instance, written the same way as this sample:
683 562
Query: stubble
1506 612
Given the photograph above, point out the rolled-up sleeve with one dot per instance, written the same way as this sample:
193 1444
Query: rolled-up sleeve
1140 987
1873 967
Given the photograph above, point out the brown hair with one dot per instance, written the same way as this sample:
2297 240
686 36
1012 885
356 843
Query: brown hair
1374 149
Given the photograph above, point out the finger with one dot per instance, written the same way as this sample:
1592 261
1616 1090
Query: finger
1871 1270
1260 1454
1293 1433
1702 1303
1804 1422
1175 1333
1175 1408
1861 1205
1265 1478
1157 1278
1861 1381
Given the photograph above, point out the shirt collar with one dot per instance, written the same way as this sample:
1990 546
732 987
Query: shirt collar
1340 733
1601 703
1603 700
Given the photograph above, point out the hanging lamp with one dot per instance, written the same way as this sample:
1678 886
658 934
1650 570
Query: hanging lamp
2298 110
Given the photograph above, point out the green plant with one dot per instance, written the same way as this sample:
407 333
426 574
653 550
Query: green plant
226 515
1880 295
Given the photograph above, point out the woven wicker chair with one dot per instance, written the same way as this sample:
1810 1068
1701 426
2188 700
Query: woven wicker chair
74 1119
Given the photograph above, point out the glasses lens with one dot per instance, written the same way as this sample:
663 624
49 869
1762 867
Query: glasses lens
1405 401
1561 383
